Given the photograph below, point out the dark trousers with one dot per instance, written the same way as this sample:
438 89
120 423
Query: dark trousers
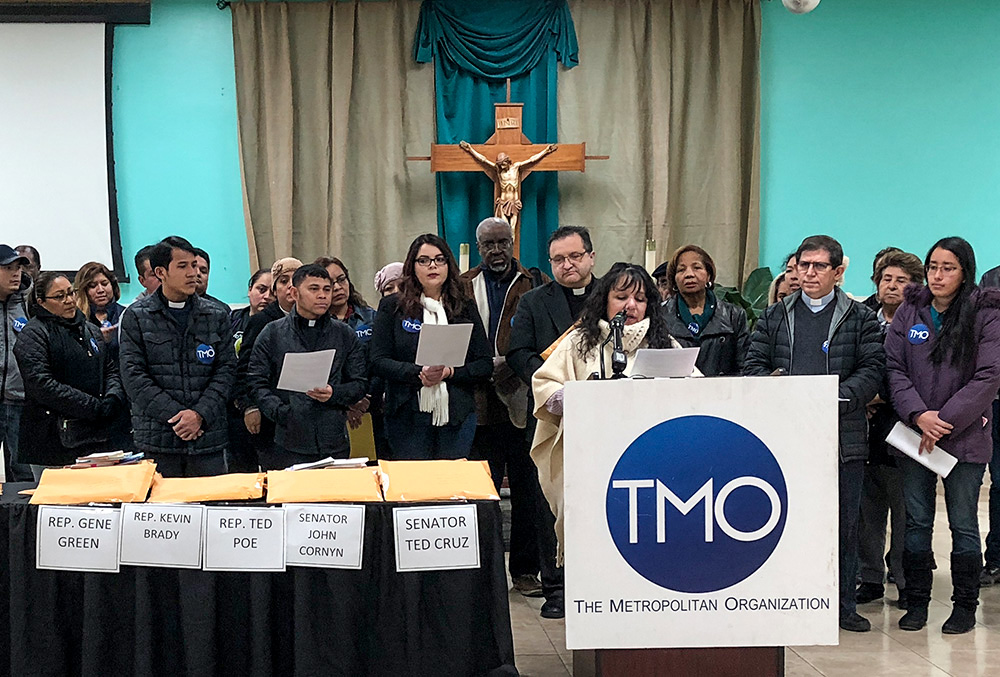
993 538
10 431
190 465
241 456
550 574
961 498
413 437
275 457
504 447
852 476
881 495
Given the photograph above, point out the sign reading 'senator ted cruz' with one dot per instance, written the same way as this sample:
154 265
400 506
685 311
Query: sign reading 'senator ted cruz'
704 515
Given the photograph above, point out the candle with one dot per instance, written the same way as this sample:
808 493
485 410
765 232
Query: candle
463 257
650 256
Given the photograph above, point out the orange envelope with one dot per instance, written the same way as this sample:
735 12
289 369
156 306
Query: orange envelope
437 480
323 485
111 484
230 487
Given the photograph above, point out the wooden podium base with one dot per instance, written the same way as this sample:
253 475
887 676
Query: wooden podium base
718 662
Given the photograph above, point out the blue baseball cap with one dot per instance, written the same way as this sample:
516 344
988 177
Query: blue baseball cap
9 255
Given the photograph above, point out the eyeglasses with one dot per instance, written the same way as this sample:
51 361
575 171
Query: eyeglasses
818 266
499 245
575 257
947 270
426 261
339 281
59 297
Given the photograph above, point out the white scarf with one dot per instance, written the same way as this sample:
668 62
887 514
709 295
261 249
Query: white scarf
434 400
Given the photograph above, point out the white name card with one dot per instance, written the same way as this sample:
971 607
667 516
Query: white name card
324 535
162 535
434 538
78 538
244 539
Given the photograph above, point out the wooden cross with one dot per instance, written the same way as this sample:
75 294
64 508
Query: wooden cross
524 157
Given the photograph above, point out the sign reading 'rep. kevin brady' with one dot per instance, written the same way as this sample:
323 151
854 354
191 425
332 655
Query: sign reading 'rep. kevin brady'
702 514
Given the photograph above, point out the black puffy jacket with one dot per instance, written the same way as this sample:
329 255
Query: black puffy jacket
167 368
723 341
855 354
68 371
302 424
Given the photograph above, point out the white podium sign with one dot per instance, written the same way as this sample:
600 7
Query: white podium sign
162 535
77 538
319 535
701 512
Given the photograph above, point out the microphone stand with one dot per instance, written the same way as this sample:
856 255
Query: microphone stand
618 359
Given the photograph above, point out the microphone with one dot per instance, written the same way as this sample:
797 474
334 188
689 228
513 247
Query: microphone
618 359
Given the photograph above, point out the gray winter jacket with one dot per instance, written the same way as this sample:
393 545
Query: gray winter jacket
15 317
854 353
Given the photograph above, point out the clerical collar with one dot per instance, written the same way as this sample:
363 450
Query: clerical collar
820 304
175 305
312 323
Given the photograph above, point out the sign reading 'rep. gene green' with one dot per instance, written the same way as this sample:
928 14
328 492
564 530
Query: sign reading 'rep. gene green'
77 538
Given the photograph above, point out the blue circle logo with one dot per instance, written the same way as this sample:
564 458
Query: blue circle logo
412 326
93 344
19 323
918 333
696 504
363 332
205 353
694 328
826 346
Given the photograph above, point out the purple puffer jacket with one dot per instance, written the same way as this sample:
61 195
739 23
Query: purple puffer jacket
963 398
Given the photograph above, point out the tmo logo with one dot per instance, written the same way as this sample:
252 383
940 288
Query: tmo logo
205 353
696 504
918 333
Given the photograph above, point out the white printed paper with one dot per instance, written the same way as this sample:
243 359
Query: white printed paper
664 362
433 538
77 539
302 372
162 535
324 535
907 441
443 344
244 539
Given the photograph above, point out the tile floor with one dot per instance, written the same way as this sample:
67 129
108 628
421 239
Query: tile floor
540 644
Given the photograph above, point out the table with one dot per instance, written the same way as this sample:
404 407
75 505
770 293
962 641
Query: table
153 621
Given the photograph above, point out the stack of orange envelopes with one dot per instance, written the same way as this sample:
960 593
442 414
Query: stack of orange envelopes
230 487
112 484
323 485
437 480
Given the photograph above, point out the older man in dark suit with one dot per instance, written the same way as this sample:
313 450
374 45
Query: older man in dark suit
543 315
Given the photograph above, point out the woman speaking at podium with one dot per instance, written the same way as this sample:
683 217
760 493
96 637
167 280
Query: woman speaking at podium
626 289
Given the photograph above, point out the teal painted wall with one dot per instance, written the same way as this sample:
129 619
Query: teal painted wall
175 139
880 125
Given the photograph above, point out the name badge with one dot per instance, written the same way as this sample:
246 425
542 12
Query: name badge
78 539
205 353
433 539
918 333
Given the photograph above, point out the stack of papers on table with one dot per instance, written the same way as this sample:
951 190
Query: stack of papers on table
112 484
330 462
324 485
437 480
106 458
230 487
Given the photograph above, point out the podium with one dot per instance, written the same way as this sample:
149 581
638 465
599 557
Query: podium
700 523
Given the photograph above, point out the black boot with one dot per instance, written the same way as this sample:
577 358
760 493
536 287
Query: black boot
918 567
965 571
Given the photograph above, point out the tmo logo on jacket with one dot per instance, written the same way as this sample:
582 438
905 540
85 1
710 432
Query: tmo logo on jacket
696 504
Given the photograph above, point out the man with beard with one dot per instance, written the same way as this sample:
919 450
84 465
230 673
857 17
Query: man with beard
498 284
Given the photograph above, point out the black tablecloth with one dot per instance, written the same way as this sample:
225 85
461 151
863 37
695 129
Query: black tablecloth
158 621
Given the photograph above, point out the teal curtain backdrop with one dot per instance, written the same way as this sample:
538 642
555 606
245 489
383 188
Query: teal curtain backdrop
475 46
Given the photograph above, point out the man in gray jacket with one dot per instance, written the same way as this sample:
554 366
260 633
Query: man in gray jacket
820 330
13 291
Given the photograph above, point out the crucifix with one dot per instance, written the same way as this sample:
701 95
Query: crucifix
508 157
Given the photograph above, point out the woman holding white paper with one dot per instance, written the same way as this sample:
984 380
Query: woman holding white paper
625 288
429 409
943 354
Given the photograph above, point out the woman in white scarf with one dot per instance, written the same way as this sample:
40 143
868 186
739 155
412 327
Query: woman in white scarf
429 409
625 287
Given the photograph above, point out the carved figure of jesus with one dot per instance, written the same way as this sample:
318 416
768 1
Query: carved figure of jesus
507 180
